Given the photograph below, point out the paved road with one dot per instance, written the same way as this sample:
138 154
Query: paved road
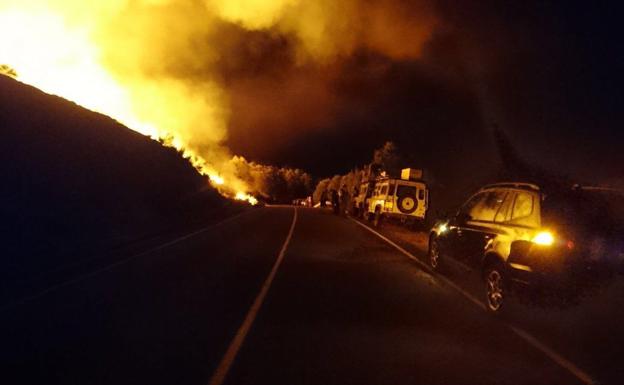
344 308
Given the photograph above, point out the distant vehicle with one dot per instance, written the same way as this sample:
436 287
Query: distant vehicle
406 200
302 202
360 200
528 240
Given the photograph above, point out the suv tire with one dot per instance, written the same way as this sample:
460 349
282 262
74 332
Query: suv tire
496 288
434 254
407 204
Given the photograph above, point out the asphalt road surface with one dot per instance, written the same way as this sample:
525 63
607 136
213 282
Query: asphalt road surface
245 303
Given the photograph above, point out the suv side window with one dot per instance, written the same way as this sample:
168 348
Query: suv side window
487 208
484 205
523 206
524 210
504 212
471 203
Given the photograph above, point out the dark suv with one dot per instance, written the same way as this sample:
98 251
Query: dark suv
520 235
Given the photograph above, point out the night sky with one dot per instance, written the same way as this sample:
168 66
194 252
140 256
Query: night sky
549 74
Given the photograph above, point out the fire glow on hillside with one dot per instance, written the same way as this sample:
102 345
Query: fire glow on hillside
48 51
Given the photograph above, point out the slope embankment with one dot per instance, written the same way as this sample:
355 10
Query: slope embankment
74 182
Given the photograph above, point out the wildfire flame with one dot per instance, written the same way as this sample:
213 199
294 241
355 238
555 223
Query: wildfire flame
49 52
241 196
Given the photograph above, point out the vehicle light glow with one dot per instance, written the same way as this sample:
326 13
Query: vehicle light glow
570 245
544 238
443 228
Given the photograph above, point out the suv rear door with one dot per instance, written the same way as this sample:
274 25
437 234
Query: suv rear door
406 201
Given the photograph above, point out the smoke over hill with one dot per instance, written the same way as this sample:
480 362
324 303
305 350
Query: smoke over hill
187 71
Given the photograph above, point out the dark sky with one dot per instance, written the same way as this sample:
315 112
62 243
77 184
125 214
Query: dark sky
555 75
550 74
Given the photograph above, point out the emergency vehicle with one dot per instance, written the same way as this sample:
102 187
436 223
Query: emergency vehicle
406 198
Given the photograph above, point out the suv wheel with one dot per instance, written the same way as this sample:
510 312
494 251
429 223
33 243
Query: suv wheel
434 253
496 293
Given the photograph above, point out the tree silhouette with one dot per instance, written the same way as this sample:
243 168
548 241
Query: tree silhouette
387 157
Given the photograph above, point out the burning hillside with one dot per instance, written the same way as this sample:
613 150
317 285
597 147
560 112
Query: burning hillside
75 182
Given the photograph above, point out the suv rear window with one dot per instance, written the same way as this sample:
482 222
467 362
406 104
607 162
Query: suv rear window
404 190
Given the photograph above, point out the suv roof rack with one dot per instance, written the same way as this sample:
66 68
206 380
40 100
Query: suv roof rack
597 188
518 185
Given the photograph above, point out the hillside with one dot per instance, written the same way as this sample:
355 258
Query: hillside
75 182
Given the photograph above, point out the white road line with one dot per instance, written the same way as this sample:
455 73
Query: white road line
93 273
526 336
219 375
578 373
424 266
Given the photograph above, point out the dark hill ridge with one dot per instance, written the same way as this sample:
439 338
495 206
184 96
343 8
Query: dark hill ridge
75 180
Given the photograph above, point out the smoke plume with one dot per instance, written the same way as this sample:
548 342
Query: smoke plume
181 71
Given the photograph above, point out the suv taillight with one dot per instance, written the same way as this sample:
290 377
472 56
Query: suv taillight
544 238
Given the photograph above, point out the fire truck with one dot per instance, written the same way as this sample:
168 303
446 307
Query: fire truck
405 198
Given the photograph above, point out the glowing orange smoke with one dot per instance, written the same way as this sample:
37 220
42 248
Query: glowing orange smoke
153 65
